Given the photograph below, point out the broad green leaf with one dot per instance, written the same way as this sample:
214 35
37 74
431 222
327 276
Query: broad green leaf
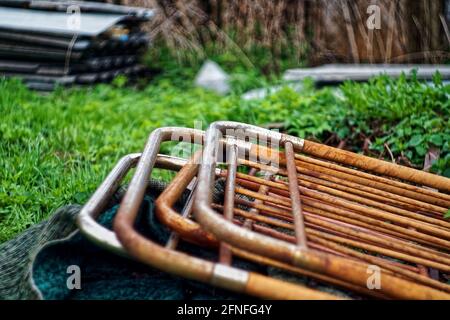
437 140
415 140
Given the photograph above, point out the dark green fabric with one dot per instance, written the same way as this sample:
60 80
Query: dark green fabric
108 276
18 254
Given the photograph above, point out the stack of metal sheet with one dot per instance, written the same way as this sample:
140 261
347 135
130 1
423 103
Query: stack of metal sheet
50 43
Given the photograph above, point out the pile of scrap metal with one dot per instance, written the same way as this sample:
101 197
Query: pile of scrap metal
368 227
51 43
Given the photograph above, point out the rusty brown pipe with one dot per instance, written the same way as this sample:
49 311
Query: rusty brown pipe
224 250
296 204
376 165
361 177
337 240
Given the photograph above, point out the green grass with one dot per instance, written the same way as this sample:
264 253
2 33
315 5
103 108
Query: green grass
56 149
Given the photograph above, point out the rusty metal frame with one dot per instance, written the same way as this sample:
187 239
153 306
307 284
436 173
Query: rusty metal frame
182 264
299 255
191 231
182 226
291 160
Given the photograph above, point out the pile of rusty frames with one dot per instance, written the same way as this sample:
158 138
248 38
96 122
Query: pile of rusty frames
320 212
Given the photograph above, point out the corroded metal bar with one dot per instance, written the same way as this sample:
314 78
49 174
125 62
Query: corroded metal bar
335 189
286 203
224 250
376 165
381 183
376 194
365 235
174 237
357 176
387 227
296 204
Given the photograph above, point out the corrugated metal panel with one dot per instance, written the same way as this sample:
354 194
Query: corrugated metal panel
85 6
38 45
91 24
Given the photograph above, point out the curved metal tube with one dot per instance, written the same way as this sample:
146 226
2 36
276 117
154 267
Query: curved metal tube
352 271
86 219
185 228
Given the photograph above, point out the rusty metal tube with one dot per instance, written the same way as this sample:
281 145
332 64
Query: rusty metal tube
224 250
376 165
296 204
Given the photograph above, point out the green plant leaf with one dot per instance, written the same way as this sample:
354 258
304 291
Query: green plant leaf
437 140
421 150
415 140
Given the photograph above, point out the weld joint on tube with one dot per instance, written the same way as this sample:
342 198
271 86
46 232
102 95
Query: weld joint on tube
229 277
297 143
